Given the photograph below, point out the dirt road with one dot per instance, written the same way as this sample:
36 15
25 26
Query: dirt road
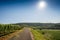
24 35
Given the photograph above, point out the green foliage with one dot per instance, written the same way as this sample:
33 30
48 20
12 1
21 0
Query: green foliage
51 34
55 34
48 34
41 25
37 35
8 28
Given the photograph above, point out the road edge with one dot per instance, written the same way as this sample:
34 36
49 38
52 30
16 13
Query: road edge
32 37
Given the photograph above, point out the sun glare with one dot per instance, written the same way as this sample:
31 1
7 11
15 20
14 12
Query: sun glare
41 5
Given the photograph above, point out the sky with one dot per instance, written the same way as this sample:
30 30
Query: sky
18 11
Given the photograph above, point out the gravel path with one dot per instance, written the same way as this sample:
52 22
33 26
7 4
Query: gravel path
24 35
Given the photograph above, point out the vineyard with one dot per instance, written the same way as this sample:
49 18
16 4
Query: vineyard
8 28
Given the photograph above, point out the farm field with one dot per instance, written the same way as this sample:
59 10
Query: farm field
6 29
46 34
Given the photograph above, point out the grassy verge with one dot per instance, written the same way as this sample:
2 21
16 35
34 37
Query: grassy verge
37 35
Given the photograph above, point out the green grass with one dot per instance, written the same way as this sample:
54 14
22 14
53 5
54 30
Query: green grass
37 35
55 34
46 34
51 34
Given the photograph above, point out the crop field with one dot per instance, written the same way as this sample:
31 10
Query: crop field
55 34
8 28
46 34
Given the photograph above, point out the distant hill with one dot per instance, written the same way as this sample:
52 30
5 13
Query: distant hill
40 25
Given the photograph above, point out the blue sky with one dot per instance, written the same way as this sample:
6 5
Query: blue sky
26 11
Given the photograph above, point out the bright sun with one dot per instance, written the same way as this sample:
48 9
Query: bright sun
41 5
